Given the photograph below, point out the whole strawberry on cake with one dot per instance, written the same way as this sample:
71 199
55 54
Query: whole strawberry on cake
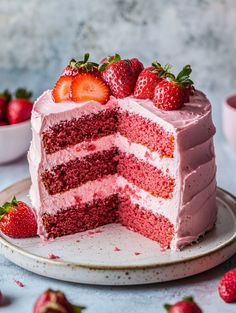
119 143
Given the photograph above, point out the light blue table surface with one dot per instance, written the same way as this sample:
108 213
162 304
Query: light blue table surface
138 299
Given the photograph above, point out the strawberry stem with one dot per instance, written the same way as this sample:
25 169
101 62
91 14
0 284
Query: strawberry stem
189 299
162 72
183 78
167 306
22 93
109 60
88 66
6 95
7 207
78 308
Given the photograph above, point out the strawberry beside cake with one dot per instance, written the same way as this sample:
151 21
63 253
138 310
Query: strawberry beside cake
117 143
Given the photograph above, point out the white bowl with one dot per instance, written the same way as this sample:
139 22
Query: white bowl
14 141
229 120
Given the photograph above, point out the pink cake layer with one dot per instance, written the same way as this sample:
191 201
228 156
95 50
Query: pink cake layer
79 171
153 226
145 176
141 130
81 217
100 164
86 128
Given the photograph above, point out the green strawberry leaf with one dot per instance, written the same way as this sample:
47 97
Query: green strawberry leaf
103 66
6 207
73 63
167 306
22 93
189 299
86 57
186 71
163 72
78 309
52 306
6 95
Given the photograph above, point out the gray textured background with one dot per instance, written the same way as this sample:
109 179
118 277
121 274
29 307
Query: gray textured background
39 37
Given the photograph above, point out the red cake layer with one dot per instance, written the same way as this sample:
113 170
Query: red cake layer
145 176
81 217
88 127
152 226
141 130
79 171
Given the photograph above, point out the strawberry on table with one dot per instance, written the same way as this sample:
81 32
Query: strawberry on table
3 123
19 109
5 97
55 301
187 305
148 80
227 286
87 87
137 66
17 220
172 92
118 75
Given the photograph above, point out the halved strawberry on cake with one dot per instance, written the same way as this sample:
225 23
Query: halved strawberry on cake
111 145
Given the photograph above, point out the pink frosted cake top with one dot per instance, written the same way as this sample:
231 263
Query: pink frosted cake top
196 109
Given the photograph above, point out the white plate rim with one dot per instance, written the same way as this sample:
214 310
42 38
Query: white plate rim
7 244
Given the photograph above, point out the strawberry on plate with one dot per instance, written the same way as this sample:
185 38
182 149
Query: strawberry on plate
187 305
148 79
137 66
5 97
227 286
19 109
172 92
55 301
87 87
17 220
118 75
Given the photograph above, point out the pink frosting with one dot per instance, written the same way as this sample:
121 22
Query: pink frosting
193 165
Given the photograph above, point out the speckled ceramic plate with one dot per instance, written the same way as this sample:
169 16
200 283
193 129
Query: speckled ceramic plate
113 255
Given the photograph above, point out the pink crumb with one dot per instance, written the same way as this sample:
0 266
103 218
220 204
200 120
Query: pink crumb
117 249
53 256
94 232
91 147
91 233
163 248
99 231
77 240
19 283
137 253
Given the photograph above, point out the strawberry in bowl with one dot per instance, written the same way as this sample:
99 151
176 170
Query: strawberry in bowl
19 109
5 98
15 132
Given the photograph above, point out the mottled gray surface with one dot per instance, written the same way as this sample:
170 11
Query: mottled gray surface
39 37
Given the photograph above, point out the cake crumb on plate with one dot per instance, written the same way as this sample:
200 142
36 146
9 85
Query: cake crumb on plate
19 283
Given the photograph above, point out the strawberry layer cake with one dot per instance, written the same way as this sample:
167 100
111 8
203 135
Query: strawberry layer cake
117 143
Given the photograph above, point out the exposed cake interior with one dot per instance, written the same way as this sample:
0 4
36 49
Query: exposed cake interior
125 162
